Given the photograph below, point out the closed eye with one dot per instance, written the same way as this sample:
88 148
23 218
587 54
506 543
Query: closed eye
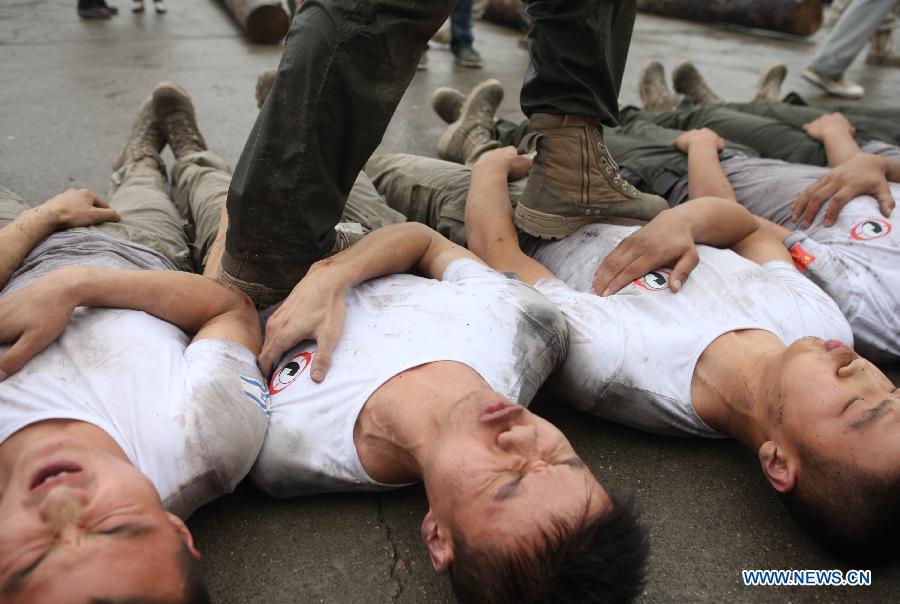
850 402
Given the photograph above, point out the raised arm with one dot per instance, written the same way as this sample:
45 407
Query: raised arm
315 308
489 225
72 208
705 175
854 173
669 240
34 316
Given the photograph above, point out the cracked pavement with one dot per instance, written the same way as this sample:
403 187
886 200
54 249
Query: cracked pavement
69 95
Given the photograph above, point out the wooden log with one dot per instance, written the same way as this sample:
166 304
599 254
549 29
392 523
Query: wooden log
265 21
507 12
800 17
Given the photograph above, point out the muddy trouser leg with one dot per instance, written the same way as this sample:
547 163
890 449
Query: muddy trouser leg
769 137
344 69
138 194
11 205
870 124
200 184
577 52
427 190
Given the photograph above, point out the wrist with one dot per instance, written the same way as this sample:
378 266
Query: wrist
41 220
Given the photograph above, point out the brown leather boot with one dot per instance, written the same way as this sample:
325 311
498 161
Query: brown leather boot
473 131
575 181
447 103
687 80
146 141
769 86
653 90
175 114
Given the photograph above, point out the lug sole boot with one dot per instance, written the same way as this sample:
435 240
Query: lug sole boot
769 86
575 181
653 90
687 80
146 141
175 114
447 103
473 131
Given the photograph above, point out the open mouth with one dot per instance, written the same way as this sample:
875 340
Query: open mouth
54 473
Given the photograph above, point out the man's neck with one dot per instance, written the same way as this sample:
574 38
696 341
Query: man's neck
47 431
398 424
729 389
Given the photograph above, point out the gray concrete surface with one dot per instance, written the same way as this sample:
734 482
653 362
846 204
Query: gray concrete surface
69 91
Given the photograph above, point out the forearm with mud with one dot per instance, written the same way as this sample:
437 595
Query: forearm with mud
490 231
387 251
187 301
716 222
705 175
20 236
840 145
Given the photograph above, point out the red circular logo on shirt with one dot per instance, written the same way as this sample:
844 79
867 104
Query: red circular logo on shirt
654 280
874 228
289 372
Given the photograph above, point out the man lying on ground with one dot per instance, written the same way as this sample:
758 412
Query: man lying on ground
748 347
143 399
428 379
849 255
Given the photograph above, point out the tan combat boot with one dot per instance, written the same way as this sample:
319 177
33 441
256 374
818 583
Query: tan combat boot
264 85
687 80
447 103
473 131
574 181
175 114
769 86
653 90
146 141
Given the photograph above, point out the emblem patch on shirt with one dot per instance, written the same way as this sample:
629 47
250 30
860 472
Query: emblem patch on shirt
801 257
654 280
256 392
289 372
873 228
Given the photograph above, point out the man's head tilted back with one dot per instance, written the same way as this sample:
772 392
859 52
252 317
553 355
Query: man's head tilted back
79 523
833 451
515 515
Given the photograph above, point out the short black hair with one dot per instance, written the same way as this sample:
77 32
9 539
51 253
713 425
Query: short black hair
851 513
195 591
601 559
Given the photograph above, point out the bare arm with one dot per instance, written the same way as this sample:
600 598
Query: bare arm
765 244
705 175
489 226
854 173
669 240
72 208
837 134
37 314
315 308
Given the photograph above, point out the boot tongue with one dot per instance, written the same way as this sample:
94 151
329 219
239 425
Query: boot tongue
182 135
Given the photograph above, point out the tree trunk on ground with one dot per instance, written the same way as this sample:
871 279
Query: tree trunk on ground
801 17
264 21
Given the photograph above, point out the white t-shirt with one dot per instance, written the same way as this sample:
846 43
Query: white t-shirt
632 355
856 260
191 417
498 326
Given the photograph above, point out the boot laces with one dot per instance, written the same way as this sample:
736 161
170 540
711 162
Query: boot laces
181 130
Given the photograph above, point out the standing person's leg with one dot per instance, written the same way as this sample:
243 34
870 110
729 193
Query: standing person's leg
11 205
578 50
848 37
137 191
461 36
345 66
